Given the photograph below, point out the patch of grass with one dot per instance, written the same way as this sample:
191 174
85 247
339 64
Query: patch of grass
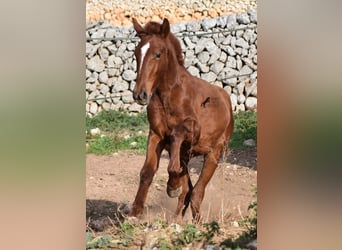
245 127
106 145
114 121
120 131
250 222
129 132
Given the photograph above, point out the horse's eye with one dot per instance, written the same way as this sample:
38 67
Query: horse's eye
158 55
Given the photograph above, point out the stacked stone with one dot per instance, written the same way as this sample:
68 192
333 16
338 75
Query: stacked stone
120 13
226 58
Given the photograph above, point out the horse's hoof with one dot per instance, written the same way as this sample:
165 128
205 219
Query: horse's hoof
174 192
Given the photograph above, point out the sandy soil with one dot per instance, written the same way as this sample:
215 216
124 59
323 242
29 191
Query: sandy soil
112 182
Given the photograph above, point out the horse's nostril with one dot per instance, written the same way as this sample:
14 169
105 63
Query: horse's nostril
143 96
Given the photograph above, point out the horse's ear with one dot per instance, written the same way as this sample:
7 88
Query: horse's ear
165 28
138 28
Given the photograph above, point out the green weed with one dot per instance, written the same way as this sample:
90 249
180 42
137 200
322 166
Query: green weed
129 132
245 127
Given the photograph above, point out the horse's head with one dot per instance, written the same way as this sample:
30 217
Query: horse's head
152 58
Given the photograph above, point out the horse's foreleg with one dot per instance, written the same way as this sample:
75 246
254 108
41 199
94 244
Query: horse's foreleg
154 149
209 167
186 131
185 196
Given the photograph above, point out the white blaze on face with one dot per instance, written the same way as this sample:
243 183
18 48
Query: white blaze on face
143 53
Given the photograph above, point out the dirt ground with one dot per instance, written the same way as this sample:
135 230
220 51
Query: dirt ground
112 182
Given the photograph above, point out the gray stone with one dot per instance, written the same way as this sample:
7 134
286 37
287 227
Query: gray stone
251 89
114 62
89 48
248 34
103 53
119 86
193 26
113 72
96 64
204 68
93 50
218 84
252 51
241 43
121 50
231 22
100 100
135 107
251 103
103 77
188 43
194 71
203 57
238 63
106 106
233 42
222 21
239 33
231 62
93 108
230 51
223 57
90 25
129 75
127 97
104 89
112 49
240 107
238 51
233 99
249 63
178 27
99 34
252 15
211 47
110 81
130 46
249 143
228 89
227 73
208 24
241 99
110 33
242 18
244 52
209 77
217 67
255 59
203 43
215 55
230 81
93 77
88 73
241 87
245 70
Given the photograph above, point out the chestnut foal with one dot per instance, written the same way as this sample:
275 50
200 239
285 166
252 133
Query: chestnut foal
187 116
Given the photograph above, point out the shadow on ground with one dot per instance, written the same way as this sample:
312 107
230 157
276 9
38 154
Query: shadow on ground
101 214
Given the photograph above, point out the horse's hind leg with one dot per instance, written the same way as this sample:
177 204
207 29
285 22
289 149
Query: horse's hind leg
154 149
209 167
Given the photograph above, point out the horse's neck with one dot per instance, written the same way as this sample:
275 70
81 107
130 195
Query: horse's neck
170 86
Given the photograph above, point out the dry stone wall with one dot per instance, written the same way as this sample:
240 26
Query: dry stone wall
222 51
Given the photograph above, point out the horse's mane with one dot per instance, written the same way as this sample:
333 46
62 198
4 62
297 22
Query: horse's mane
153 28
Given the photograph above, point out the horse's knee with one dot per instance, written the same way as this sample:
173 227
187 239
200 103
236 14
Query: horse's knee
146 176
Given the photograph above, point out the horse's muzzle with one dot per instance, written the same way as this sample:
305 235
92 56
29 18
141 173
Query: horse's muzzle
142 98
